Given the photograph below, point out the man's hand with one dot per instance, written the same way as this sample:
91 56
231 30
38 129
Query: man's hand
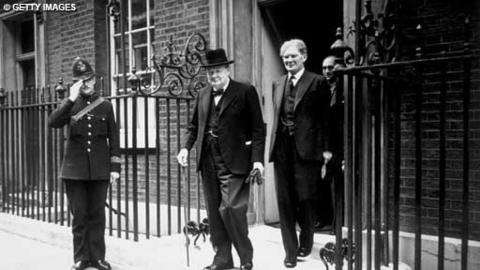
114 176
182 157
75 90
256 175
259 166
327 156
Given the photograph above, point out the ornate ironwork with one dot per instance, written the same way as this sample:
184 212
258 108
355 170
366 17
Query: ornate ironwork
179 71
113 8
197 230
342 52
175 71
377 35
327 253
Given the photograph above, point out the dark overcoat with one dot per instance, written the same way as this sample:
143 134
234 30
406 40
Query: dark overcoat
241 130
92 150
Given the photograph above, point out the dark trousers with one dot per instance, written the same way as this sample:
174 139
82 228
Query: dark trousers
226 196
337 186
329 189
324 202
87 204
294 180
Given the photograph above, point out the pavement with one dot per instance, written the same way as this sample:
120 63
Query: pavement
27 244
20 253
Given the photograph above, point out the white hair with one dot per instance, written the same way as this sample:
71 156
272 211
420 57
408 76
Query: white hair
297 43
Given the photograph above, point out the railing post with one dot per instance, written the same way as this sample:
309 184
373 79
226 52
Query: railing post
2 151
134 81
466 154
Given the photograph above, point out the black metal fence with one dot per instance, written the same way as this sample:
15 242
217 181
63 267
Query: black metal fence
150 195
376 143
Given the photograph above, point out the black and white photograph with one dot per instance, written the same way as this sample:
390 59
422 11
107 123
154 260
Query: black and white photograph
239 134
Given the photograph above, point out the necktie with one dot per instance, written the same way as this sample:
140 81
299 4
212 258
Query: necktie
290 85
333 96
218 92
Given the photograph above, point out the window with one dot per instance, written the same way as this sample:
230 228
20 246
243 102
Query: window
18 51
139 35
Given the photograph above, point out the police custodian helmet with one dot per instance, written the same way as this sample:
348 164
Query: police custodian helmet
81 69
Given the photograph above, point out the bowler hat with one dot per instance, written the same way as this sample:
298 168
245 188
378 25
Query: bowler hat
216 57
81 69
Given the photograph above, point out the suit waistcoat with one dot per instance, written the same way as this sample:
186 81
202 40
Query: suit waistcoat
287 116
213 115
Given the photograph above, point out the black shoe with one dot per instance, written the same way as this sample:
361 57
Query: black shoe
290 262
80 265
217 267
101 265
246 266
303 252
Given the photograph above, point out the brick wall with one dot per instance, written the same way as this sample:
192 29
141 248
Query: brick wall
68 35
442 30
83 33
177 20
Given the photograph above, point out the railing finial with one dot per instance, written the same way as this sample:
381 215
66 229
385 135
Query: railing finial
2 96
60 88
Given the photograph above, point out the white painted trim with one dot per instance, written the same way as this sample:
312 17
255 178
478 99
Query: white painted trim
7 15
2 65
221 28
213 23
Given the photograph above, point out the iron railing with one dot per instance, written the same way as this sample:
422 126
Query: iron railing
390 123
149 198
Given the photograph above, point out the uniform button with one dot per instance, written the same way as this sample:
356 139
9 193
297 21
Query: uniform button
88 102
89 118
89 126
89 142
88 149
89 133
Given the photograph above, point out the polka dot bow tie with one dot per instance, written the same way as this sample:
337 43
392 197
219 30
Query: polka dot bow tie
218 92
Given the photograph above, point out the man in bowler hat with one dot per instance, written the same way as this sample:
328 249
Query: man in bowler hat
91 159
299 143
228 129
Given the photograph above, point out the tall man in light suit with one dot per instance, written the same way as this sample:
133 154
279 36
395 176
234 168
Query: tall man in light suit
229 132
299 144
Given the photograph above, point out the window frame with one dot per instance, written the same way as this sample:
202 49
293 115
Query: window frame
116 74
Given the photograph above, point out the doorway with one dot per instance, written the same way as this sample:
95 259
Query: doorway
314 22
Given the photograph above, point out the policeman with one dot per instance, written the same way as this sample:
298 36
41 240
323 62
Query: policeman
91 159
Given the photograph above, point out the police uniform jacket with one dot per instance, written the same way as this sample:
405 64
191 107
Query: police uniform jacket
92 150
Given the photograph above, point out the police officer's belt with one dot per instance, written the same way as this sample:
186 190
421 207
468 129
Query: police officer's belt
87 109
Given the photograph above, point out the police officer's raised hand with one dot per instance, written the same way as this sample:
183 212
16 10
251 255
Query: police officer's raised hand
114 176
75 90
182 157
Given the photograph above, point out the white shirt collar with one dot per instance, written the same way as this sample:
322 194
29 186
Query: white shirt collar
297 76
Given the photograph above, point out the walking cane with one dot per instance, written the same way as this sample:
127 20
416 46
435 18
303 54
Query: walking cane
185 217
